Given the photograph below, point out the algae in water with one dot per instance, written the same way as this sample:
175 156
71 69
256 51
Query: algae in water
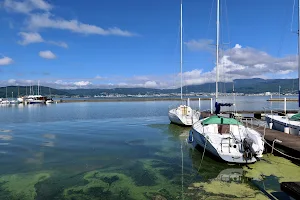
21 186
224 190
271 165
110 185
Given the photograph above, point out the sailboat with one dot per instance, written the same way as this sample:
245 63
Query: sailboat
49 100
183 115
226 138
289 123
36 99
6 101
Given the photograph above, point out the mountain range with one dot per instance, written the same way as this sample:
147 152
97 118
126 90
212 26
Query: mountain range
246 86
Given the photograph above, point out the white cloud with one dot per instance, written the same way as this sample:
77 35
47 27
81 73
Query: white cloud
60 44
82 83
12 81
5 60
237 46
47 54
236 63
150 84
243 62
200 45
26 6
34 37
40 21
98 77
28 38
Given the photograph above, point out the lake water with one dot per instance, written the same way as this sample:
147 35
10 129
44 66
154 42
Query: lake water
122 150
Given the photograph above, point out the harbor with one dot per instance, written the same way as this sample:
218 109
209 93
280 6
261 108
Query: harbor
144 100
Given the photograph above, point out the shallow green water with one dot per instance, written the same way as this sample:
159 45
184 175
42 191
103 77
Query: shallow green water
119 151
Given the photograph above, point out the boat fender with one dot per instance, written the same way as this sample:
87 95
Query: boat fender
191 137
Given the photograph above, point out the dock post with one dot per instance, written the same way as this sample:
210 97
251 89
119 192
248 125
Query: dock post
211 106
188 102
199 104
284 105
275 140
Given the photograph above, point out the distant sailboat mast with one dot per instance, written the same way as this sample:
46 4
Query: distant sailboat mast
181 49
217 48
299 53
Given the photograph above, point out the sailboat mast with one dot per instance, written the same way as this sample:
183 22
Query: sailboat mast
181 49
217 48
299 53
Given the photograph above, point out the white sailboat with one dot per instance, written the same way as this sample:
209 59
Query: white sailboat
289 123
226 138
49 100
6 101
183 115
36 99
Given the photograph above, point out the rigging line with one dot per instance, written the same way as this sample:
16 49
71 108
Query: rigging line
227 22
210 17
182 171
293 13
283 34
175 54
228 35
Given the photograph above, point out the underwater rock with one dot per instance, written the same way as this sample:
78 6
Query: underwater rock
101 184
159 197
21 186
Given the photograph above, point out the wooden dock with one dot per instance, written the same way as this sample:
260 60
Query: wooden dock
291 188
290 143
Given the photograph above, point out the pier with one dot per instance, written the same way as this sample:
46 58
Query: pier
276 99
289 143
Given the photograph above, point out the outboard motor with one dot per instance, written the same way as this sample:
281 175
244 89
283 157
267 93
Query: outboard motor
248 150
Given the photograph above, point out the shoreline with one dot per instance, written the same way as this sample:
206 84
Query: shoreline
126 100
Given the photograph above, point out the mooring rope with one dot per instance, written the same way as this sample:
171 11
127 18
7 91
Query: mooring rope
281 151
203 154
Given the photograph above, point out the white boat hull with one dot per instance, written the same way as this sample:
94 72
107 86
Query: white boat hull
227 146
199 139
183 119
280 122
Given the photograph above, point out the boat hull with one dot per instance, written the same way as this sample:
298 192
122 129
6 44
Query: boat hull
280 125
199 139
182 120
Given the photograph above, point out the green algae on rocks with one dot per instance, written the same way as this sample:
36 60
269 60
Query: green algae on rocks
224 190
21 186
102 184
272 165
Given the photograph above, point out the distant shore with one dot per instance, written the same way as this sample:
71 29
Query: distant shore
282 99
136 99
125 100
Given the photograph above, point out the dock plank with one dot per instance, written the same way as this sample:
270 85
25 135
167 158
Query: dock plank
288 141
291 188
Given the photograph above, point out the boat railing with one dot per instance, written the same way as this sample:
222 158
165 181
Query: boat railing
229 144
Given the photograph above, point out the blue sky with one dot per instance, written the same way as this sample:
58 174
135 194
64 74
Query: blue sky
134 43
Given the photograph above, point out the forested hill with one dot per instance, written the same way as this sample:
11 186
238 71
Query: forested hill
247 86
